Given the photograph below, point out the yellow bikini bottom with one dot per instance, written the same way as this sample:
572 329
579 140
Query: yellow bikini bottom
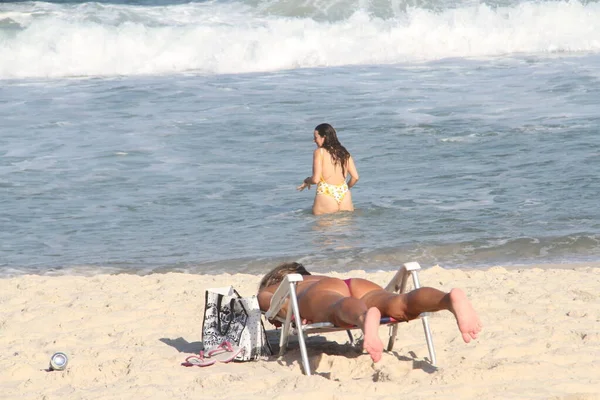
338 192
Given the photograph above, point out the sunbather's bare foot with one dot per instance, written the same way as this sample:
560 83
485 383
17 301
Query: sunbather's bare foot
372 343
468 322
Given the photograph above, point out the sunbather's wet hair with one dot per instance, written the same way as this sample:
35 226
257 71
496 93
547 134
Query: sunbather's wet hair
277 274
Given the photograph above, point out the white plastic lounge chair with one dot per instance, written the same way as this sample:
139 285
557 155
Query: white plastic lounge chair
287 288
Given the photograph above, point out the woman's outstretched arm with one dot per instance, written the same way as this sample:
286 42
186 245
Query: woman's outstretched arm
317 171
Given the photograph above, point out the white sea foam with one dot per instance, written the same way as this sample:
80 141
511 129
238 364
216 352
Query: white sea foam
92 39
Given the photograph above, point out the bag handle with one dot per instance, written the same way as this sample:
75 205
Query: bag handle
231 307
241 303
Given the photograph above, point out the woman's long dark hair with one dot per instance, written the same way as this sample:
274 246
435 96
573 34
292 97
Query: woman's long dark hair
339 154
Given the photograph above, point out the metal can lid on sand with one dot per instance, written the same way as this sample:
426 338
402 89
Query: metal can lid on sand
58 361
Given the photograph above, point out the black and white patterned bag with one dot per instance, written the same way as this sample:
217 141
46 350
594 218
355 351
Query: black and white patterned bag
236 319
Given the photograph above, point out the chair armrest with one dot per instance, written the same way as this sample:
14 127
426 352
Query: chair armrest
399 281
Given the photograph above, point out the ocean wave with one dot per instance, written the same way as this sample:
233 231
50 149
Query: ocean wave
579 248
93 39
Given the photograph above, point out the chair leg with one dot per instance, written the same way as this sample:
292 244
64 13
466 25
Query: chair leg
286 328
424 318
392 338
396 285
350 337
299 329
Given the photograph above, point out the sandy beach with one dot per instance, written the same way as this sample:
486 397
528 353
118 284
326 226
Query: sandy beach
126 336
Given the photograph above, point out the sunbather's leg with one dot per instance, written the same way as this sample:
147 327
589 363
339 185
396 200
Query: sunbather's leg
372 342
329 300
406 307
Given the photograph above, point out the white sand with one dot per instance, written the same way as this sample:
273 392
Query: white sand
127 335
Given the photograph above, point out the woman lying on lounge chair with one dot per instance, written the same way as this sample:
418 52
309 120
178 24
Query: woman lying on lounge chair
362 303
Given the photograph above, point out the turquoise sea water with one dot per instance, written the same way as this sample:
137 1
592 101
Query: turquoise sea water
170 136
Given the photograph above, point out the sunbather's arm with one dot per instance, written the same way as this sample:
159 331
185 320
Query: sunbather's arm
264 302
264 299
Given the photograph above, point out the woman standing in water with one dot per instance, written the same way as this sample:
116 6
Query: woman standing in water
332 164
